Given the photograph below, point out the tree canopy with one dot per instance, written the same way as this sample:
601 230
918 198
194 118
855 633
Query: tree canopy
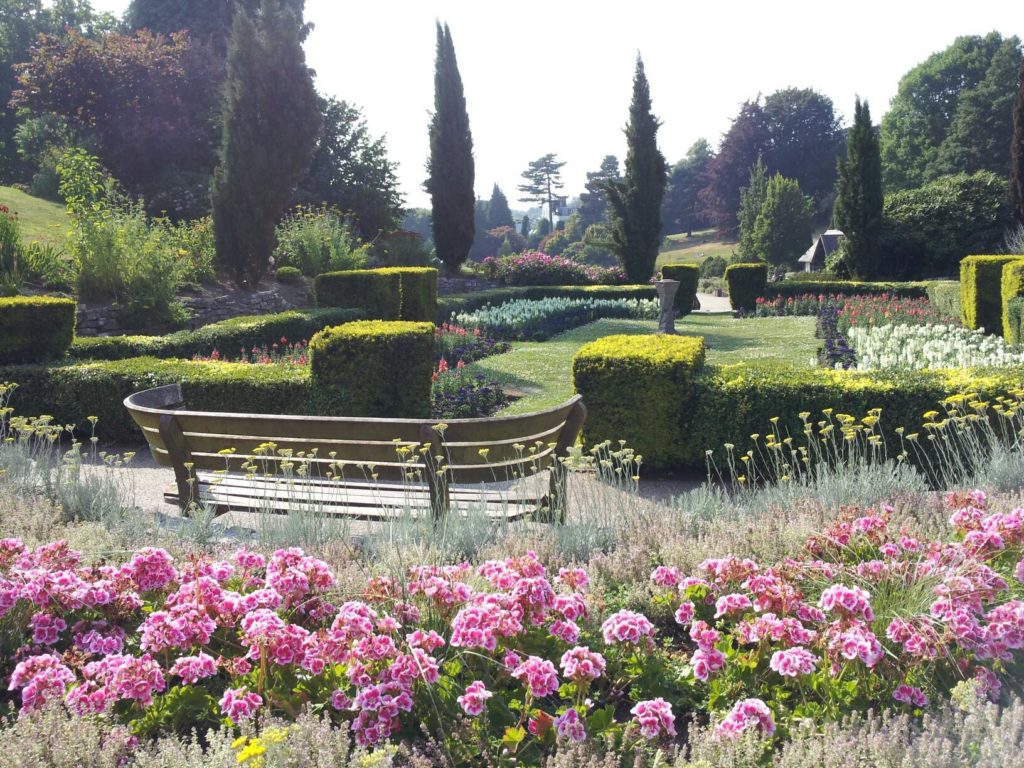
543 178
593 201
682 210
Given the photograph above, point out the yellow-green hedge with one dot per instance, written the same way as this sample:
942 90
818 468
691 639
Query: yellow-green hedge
638 389
688 276
1012 288
419 292
35 328
375 368
980 291
377 292
745 283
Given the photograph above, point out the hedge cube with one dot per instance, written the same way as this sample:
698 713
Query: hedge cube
1012 288
688 276
944 296
981 302
378 292
36 328
638 389
419 292
1015 319
746 282
375 368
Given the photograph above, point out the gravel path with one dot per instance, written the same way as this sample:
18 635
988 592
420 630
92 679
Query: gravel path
710 303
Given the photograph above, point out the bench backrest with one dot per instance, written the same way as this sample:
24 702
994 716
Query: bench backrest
470 450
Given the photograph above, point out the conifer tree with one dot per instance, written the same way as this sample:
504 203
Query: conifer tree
543 178
524 227
751 200
450 169
498 212
635 214
271 121
859 199
1017 155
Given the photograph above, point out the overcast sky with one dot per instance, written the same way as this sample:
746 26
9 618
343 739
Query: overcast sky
557 76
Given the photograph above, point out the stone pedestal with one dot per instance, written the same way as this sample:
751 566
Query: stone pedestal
667 290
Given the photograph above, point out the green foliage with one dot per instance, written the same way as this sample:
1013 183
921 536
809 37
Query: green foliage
745 282
419 293
401 248
783 226
681 210
377 292
593 201
498 212
609 373
1012 290
1017 156
467 302
729 170
11 247
793 287
944 296
288 275
688 276
318 240
356 364
543 179
1015 319
270 124
450 168
227 336
34 329
927 231
859 199
981 295
635 202
713 266
751 201
804 137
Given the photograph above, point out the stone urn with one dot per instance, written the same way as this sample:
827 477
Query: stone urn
667 290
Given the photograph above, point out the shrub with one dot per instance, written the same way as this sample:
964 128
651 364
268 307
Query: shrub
944 297
227 336
981 278
791 287
401 248
1015 318
746 282
688 275
34 329
318 240
11 272
537 268
378 292
713 266
358 364
611 372
289 274
1012 288
419 292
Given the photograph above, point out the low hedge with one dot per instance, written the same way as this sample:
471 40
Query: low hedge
791 288
467 302
1012 288
745 282
945 297
35 328
1015 319
688 276
376 368
981 296
227 336
377 292
638 389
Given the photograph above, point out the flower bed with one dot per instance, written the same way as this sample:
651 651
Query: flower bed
458 394
536 268
919 347
540 319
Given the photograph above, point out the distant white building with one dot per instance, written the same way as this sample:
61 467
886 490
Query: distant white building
814 258
563 210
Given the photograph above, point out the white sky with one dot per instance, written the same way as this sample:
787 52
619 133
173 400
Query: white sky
557 76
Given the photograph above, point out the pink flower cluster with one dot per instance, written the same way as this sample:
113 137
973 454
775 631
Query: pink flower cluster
747 714
794 661
910 695
628 627
654 718
474 699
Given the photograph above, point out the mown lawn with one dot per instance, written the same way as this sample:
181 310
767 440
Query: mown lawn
542 371
40 219
693 250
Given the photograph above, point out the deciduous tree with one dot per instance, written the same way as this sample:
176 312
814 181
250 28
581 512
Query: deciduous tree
783 227
682 210
729 170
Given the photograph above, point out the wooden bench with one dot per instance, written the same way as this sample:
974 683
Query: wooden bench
364 468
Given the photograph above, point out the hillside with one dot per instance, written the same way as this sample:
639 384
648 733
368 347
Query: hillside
681 249
40 219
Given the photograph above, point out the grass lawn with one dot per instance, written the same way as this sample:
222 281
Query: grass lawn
693 250
543 370
40 219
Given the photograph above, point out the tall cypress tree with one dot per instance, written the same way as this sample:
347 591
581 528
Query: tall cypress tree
859 199
1017 155
271 120
450 169
635 220
498 212
751 201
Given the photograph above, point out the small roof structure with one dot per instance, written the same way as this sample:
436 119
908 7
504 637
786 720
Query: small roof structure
814 258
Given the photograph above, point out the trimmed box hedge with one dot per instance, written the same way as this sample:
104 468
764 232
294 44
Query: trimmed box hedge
745 283
36 328
981 295
377 292
688 276
792 288
1012 288
228 336
1015 319
944 296
467 302
419 292
638 389
376 368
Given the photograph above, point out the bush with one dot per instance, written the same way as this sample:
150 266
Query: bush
289 274
746 282
228 336
792 288
944 297
419 292
638 389
35 329
318 240
401 248
1015 319
713 266
1012 288
981 278
927 231
467 302
358 363
537 268
688 276
378 292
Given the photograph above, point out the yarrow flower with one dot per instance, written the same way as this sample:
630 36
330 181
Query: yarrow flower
748 713
654 718
474 699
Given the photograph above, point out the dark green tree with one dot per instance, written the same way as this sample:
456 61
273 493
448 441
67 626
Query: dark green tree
804 138
524 226
751 201
728 172
1017 155
594 202
543 179
450 169
498 212
205 20
271 120
783 227
859 198
635 201
682 210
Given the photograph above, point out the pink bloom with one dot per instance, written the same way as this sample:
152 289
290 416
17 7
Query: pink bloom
151 568
910 695
340 701
573 578
793 662
654 717
684 613
569 726
46 629
666 576
732 603
706 661
1018 572
240 703
748 713
567 631
474 699
704 636
539 674
848 601
41 679
581 663
628 627
191 668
